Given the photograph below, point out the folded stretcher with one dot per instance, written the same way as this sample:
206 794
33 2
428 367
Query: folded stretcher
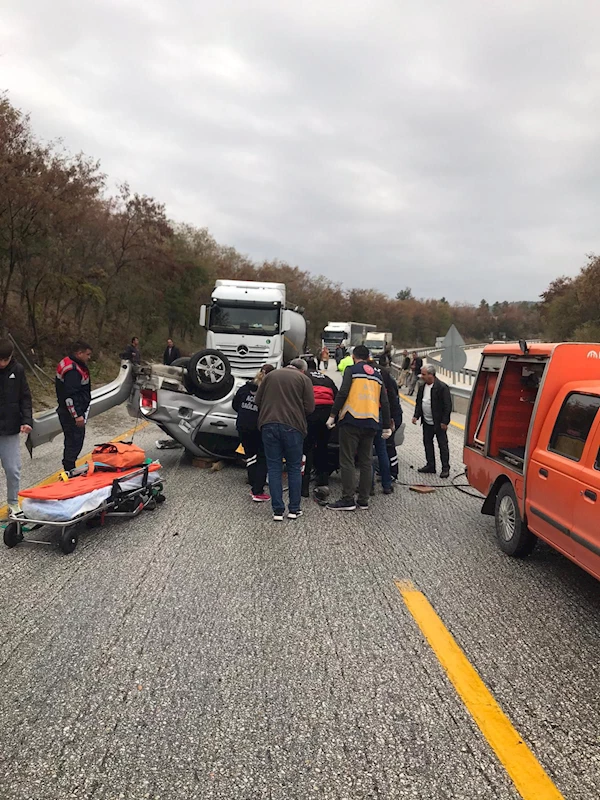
88 494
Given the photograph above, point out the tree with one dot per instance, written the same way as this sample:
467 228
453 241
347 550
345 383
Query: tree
405 294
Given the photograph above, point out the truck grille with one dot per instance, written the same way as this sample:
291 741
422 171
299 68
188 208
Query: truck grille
251 361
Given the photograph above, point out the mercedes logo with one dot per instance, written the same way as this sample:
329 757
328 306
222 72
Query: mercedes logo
243 350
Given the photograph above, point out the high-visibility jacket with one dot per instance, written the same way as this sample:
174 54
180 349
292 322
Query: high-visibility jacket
362 399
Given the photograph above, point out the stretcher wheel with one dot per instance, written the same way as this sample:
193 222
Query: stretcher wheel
68 540
12 534
160 498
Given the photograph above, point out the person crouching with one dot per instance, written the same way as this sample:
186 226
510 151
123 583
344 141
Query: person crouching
250 437
317 437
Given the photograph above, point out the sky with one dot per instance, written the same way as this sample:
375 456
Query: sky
450 146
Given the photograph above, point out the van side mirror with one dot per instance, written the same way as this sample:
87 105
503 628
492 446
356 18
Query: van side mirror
202 316
286 321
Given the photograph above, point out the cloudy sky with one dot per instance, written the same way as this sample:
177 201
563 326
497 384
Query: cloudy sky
450 145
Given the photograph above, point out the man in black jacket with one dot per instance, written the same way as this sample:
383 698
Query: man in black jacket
15 418
74 395
171 353
434 406
391 388
317 437
132 351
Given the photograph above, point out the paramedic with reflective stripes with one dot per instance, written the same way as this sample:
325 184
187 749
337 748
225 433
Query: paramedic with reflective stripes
74 395
361 406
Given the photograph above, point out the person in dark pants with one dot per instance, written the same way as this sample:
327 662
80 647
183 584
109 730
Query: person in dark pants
433 408
132 351
244 403
317 437
391 388
15 418
74 395
339 354
171 353
360 406
285 398
416 365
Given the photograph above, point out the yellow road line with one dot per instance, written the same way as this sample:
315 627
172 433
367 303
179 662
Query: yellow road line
81 460
412 402
527 774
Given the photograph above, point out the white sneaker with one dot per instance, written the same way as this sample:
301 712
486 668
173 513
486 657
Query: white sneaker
14 510
294 514
277 517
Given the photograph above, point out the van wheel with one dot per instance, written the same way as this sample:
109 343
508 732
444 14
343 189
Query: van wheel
514 537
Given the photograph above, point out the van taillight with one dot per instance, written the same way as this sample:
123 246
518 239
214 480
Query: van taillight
148 400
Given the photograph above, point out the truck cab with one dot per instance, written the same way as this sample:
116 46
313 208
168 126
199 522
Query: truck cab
532 447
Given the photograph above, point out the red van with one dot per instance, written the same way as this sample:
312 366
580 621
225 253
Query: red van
532 447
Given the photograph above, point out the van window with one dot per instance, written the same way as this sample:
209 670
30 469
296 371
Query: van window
573 425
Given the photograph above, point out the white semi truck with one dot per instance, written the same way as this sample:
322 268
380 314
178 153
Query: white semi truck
379 342
251 323
345 334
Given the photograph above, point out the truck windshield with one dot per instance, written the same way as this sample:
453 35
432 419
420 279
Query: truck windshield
244 319
334 336
374 343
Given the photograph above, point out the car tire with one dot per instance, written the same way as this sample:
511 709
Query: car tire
207 391
181 362
208 369
514 537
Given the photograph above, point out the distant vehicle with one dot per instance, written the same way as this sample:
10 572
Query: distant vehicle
439 342
379 342
532 447
345 334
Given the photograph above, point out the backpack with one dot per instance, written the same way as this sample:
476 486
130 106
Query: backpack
118 455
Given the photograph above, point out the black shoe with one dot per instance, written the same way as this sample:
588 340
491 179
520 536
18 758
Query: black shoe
427 470
445 473
388 490
362 505
342 505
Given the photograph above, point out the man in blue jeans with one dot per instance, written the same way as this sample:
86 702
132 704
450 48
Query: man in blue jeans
284 399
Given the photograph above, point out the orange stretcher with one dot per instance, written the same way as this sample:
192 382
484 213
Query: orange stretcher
85 495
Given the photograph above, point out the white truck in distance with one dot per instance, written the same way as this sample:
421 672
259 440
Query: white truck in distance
379 342
250 323
344 334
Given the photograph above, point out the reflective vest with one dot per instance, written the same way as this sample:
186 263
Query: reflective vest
364 398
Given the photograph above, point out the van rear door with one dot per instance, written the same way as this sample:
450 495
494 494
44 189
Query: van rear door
554 473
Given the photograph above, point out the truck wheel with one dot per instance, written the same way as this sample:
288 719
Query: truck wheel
514 537
208 368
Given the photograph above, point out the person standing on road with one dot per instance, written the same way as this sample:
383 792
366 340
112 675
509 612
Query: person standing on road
391 388
360 406
132 351
416 364
405 374
284 399
244 403
339 354
15 418
347 361
171 353
433 408
317 437
74 395
324 358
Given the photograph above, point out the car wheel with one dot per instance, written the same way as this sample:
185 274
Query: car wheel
181 362
208 368
207 391
514 537
12 534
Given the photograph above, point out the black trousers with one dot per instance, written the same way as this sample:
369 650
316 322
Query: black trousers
74 437
315 448
429 433
390 446
256 463
356 443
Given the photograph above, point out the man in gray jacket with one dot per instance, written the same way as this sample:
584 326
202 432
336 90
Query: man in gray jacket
284 399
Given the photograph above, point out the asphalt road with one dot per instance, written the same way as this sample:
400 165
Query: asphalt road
203 651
